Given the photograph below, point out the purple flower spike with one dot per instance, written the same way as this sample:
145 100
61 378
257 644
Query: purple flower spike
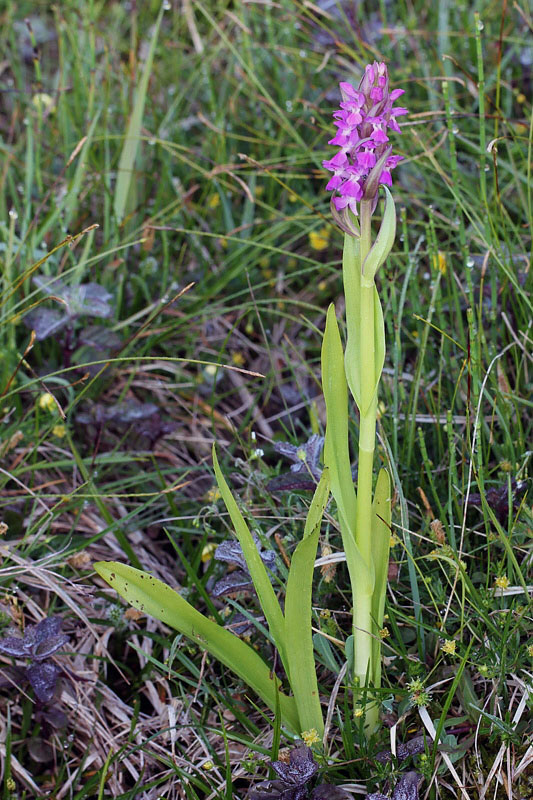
365 116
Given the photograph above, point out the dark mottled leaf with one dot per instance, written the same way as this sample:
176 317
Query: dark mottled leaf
45 322
403 750
100 338
49 647
15 646
55 717
292 777
304 472
85 299
43 677
237 581
300 769
231 552
498 499
277 790
407 787
127 412
40 750
327 792
12 677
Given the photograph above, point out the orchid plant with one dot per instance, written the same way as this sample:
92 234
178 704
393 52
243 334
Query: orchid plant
362 164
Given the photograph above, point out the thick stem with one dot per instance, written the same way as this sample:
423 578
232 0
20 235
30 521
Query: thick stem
367 434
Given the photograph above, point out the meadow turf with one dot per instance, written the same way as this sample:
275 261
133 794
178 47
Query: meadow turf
165 164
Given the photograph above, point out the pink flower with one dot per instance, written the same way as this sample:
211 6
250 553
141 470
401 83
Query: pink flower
365 116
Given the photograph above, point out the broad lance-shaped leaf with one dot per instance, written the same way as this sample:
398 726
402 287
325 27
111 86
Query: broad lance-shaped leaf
351 273
256 568
153 597
351 266
298 615
384 240
336 452
381 533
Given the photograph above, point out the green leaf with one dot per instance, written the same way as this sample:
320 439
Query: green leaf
298 615
384 240
351 272
336 451
258 572
381 533
153 597
128 156
379 339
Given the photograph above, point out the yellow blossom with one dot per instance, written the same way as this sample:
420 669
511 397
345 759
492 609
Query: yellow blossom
384 633
310 737
237 358
394 540
207 552
502 582
358 712
214 201
47 402
449 647
60 431
213 494
319 240
439 262
207 765
43 102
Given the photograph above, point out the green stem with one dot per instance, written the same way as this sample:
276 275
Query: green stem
362 621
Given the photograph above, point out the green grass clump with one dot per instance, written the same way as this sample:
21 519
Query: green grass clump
193 138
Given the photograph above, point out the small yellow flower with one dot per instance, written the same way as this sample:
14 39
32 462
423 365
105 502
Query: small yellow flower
521 98
207 765
293 198
449 647
322 286
60 431
502 582
439 262
214 201
394 540
319 240
213 494
237 358
506 466
358 712
43 102
384 633
530 650
310 737
207 552
47 402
